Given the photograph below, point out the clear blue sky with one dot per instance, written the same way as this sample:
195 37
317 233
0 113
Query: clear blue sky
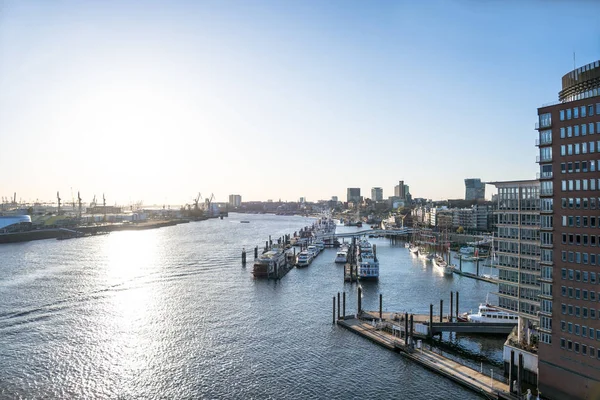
157 101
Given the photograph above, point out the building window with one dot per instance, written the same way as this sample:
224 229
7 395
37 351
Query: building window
576 130
591 128
568 113
582 110
575 112
590 110
545 120
583 129
569 131
562 343
562 115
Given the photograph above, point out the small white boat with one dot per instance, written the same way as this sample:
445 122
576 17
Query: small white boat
341 257
440 263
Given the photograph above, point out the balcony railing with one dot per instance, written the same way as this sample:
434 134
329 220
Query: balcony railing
543 175
546 158
539 126
543 142
546 191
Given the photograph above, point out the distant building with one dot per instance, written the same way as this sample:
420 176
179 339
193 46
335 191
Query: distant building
334 199
376 194
302 200
235 200
399 190
474 189
353 195
517 258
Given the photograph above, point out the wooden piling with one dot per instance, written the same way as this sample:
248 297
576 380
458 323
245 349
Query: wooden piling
244 257
477 261
441 310
460 262
406 329
338 305
457 305
430 319
256 252
333 318
359 300
451 304
380 305
344 305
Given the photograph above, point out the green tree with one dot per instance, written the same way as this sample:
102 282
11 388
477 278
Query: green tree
460 230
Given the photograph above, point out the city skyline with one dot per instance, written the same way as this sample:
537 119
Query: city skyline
162 102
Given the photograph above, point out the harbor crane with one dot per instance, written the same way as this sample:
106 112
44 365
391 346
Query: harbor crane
79 201
58 198
104 206
196 200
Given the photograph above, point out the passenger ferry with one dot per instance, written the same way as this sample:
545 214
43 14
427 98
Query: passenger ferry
368 270
267 262
488 313
304 259
341 257
368 267
313 250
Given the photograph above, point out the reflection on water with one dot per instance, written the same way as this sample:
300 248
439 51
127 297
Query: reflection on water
172 313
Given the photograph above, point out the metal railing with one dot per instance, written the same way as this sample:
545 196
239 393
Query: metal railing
543 175
539 159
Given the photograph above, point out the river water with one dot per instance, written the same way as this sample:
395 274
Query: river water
171 313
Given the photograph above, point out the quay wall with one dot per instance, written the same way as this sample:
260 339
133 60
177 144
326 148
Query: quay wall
54 233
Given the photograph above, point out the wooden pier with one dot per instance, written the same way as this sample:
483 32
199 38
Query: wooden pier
485 385
478 277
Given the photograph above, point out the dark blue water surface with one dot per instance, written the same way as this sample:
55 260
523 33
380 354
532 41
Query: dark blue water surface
171 313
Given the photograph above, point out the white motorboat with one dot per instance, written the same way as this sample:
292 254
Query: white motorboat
439 262
341 257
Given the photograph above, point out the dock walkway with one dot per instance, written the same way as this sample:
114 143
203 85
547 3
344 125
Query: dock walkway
470 378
